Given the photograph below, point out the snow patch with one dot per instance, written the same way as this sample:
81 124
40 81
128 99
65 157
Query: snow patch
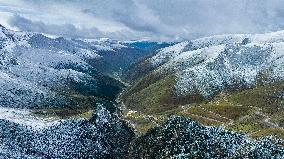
26 118
168 53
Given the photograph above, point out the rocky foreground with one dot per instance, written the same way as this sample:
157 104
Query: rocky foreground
105 136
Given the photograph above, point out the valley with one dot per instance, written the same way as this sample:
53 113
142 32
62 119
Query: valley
214 97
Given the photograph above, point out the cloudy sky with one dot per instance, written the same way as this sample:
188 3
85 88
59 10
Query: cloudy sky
142 19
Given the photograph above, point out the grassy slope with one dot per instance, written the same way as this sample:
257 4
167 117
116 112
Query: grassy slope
153 99
257 111
83 107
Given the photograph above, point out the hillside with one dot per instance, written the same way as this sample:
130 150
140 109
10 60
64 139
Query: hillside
235 81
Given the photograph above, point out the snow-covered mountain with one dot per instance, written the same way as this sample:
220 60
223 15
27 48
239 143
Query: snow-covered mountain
34 67
38 71
210 65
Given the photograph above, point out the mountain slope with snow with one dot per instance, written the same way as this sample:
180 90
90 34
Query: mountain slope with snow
38 71
210 65
230 80
234 61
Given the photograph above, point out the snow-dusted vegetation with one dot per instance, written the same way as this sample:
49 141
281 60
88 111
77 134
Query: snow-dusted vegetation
103 136
183 138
